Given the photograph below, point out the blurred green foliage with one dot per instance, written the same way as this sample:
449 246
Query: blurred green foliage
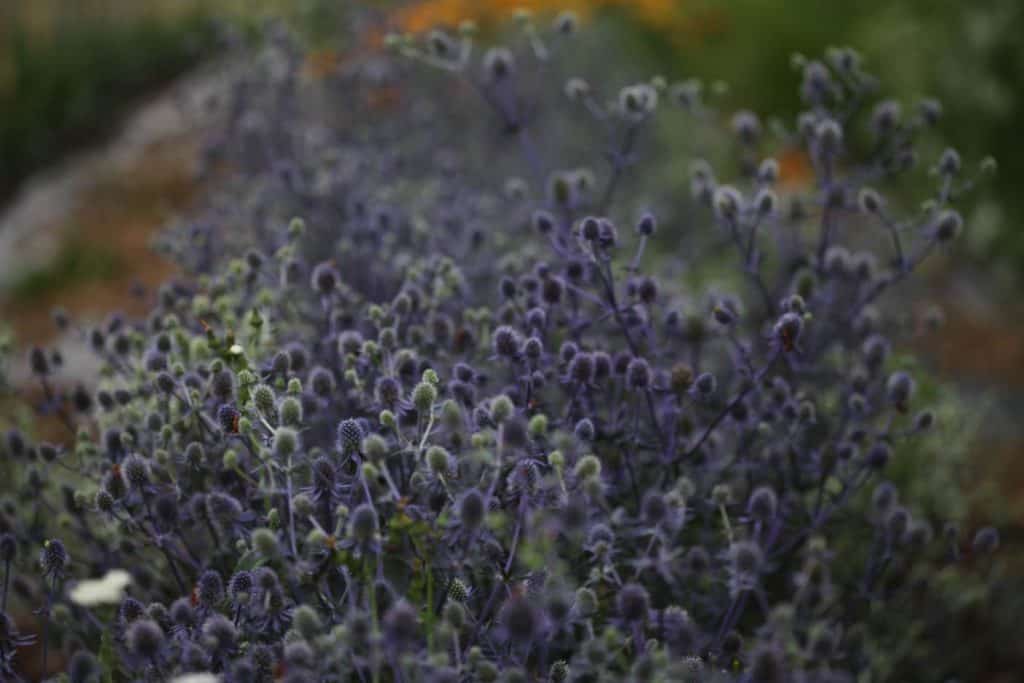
78 261
64 84
69 69
968 54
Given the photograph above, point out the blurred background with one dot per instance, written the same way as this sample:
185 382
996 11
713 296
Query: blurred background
103 112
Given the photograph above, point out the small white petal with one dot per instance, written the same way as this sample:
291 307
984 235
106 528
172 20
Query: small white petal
197 678
107 590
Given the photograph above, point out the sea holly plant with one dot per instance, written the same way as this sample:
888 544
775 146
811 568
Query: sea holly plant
488 431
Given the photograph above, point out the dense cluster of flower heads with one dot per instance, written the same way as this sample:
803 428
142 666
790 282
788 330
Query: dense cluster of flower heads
394 448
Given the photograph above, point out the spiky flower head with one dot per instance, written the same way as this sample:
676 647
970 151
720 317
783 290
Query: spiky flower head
54 560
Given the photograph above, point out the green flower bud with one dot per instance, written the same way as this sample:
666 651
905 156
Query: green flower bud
306 621
451 415
588 467
437 459
502 408
341 512
244 426
559 671
289 411
371 350
423 396
455 614
388 338
316 538
538 426
264 541
302 505
286 442
264 399
375 447
556 459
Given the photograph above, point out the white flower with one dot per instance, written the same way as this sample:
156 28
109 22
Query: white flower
197 678
105 591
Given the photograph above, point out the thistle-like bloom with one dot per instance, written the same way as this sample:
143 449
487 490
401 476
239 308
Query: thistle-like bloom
350 436
54 560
